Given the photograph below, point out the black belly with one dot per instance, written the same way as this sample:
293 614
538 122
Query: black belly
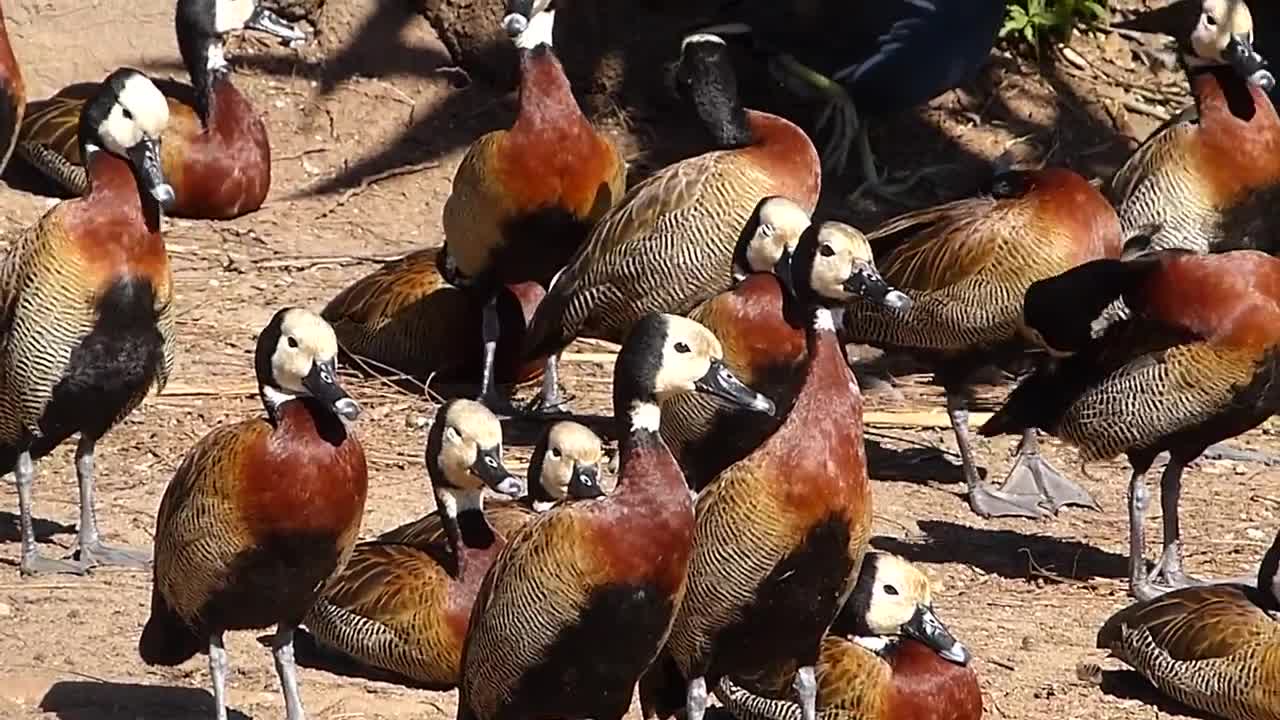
276 581
591 669
782 627
110 371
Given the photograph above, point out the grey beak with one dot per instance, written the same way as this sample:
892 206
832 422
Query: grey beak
322 383
268 22
927 627
145 158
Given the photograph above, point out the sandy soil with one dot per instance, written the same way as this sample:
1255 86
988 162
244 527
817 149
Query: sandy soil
368 124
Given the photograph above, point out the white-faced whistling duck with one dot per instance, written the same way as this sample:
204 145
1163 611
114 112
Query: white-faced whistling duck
261 514
1210 178
781 533
565 465
524 199
1194 364
670 244
405 608
614 567
404 318
215 153
1215 648
762 332
13 96
86 323
899 663
966 265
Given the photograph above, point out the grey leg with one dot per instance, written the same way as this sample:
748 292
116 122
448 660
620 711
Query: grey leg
218 667
1033 475
806 685
983 500
31 562
1139 586
550 402
287 669
92 552
490 330
1168 572
696 699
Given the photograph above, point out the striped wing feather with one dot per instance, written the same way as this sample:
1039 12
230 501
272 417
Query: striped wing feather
505 517
938 247
1199 623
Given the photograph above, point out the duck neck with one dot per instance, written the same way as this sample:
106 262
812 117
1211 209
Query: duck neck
546 99
113 183
206 62
723 115
1221 85
640 418
1269 575
462 514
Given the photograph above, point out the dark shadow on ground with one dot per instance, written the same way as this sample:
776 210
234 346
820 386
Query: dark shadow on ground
79 700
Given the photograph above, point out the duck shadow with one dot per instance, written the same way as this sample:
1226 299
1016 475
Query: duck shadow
11 531
81 700
919 465
1006 553
1129 685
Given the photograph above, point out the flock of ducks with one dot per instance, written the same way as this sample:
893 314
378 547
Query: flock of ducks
731 555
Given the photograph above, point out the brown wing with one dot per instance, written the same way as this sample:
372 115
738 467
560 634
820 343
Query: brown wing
386 582
199 529
476 207
404 317
1199 623
1161 150
937 247
506 517
852 683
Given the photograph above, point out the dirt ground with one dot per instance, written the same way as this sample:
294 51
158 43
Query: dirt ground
368 123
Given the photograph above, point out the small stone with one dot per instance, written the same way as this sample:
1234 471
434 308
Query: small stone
1028 643
6 610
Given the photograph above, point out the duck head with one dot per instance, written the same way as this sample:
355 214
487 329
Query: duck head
464 448
833 266
566 464
297 357
126 118
1224 36
893 599
770 238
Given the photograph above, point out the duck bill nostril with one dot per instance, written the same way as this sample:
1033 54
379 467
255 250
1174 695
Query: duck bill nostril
720 382
268 22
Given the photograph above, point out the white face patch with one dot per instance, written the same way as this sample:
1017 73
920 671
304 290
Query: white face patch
305 339
538 32
229 15
140 111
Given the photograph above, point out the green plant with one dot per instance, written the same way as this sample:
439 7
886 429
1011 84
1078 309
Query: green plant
1034 20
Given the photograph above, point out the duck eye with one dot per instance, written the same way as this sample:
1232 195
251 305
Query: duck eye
490 461
293 342
1211 20
555 452
890 590
682 347
826 251
128 114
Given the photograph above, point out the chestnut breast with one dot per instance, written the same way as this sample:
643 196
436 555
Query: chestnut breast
1235 154
306 477
752 328
1232 299
643 531
222 171
924 686
462 591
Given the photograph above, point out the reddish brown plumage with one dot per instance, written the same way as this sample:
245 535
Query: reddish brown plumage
116 236
13 96
524 199
222 169
644 535
1235 155
925 686
304 477
1087 223
1230 299
783 150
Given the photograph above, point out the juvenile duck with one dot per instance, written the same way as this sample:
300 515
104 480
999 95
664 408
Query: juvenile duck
900 662
86 321
405 608
611 568
261 514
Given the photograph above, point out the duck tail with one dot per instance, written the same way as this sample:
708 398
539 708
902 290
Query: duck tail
167 639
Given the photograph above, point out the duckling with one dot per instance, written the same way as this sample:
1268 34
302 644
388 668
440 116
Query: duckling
967 264
565 465
669 244
1209 179
1214 648
763 337
610 568
1196 362
781 533
262 514
405 318
402 608
524 199
13 96
901 661
215 153
86 320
